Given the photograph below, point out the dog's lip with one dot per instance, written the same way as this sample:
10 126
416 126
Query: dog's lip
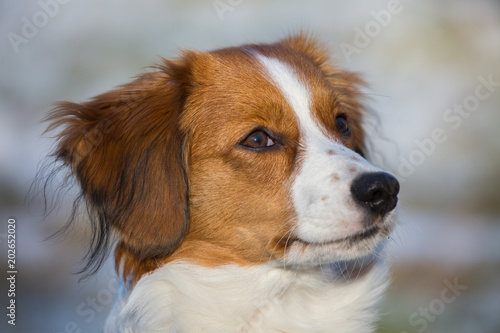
365 233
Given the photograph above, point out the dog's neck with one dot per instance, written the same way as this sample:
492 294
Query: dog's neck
184 297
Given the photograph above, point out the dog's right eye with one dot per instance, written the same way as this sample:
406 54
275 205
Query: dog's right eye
258 140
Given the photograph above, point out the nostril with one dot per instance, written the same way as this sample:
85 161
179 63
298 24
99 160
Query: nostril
377 191
377 195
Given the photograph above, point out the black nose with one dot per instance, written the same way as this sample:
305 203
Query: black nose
377 191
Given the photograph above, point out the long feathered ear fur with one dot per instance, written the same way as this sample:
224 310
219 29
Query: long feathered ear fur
126 151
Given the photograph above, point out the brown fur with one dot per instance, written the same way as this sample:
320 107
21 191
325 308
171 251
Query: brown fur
159 160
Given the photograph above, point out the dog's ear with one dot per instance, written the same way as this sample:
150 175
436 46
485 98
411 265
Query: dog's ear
127 152
346 84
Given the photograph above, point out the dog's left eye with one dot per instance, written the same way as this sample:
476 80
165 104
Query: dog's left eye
258 139
342 126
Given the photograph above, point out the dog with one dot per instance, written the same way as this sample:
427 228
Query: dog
236 187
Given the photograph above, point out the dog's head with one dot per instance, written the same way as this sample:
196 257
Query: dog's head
242 155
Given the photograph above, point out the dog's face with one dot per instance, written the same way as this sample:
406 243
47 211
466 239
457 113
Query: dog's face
243 155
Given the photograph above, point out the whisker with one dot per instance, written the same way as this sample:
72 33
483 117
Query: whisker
362 262
271 239
292 231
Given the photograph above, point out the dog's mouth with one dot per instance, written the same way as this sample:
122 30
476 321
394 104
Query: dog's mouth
364 234
300 251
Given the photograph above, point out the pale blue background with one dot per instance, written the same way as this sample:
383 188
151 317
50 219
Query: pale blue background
425 59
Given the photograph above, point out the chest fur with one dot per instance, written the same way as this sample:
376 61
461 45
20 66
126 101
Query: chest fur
182 297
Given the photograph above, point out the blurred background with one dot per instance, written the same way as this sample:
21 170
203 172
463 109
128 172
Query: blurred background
433 69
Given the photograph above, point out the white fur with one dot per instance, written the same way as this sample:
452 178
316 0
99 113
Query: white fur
184 297
326 211
302 293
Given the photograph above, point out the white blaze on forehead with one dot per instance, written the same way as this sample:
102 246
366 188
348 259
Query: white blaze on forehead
295 91
298 96
321 189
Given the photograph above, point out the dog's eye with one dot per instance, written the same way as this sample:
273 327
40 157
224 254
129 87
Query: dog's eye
342 126
258 139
